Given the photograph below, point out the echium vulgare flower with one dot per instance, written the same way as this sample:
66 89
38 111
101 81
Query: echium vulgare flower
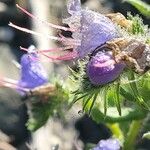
32 73
109 144
89 31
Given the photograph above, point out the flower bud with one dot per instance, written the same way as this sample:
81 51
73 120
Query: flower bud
103 69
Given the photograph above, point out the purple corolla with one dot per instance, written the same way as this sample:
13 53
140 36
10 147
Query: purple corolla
102 68
32 72
109 144
90 30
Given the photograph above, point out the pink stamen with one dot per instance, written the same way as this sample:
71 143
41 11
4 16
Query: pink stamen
69 41
34 33
7 82
44 22
7 85
71 55
24 49
61 39
49 50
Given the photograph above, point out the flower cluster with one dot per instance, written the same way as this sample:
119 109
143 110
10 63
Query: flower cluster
90 30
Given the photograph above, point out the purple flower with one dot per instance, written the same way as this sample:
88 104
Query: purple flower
102 69
110 144
32 72
92 29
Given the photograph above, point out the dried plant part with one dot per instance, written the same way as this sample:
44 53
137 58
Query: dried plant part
131 51
120 19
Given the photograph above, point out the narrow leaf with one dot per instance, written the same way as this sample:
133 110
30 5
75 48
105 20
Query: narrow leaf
76 98
105 100
143 7
117 97
127 94
86 101
93 102
137 96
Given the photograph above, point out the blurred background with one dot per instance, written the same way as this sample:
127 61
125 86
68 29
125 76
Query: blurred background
79 129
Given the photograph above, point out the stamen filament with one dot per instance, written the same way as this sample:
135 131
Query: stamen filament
10 80
49 50
34 33
44 22
69 56
68 41
7 82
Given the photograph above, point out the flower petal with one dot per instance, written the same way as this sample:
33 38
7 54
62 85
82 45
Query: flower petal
32 72
92 29
74 6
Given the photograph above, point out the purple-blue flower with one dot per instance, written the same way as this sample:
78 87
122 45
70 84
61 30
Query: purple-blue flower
109 144
102 68
32 72
92 29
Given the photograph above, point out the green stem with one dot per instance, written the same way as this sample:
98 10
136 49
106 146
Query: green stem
116 131
132 135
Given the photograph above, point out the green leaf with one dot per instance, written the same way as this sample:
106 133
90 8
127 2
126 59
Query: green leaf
112 116
104 98
144 87
77 98
124 91
146 135
86 101
143 7
117 98
93 101
136 93
41 110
